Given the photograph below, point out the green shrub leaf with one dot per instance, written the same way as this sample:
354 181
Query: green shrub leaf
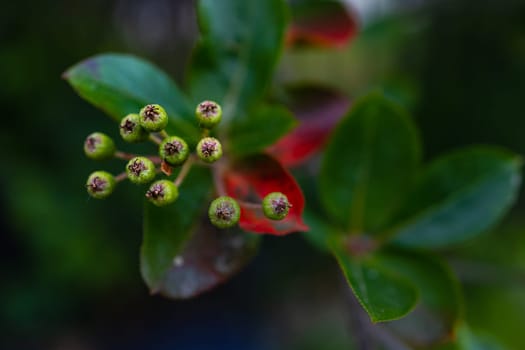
459 196
207 259
264 127
121 84
240 44
322 234
384 296
167 229
369 164
439 309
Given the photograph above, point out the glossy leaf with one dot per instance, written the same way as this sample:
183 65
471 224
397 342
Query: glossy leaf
265 126
252 178
459 196
318 110
439 309
234 61
121 84
207 259
369 164
167 229
321 23
321 233
383 295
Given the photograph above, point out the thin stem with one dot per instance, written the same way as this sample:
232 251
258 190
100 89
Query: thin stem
157 140
205 133
164 134
129 156
121 177
184 170
155 159
217 171
250 205
124 155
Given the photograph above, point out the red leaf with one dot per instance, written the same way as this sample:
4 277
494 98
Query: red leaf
318 110
250 180
323 23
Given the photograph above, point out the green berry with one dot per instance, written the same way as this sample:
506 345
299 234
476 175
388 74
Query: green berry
224 212
209 149
140 170
99 146
208 114
276 206
100 184
162 192
153 118
174 150
131 130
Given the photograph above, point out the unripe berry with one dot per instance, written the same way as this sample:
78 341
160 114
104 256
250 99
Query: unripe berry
153 117
276 206
99 146
131 130
174 150
209 149
100 184
224 212
140 170
208 114
162 192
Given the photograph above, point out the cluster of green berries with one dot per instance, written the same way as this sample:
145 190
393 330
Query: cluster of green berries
150 123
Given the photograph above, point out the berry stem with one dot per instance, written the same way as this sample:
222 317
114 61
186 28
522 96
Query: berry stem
250 205
121 177
157 140
129 156
164 134
217 171
124 155
205 133
155 159
184 170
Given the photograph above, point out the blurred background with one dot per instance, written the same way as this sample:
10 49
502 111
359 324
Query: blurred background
69 276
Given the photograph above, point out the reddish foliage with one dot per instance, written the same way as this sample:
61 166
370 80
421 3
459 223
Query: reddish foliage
318 110
250 180
327 24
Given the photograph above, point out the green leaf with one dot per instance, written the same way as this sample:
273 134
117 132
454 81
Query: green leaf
321 234
235 59
459 196
383 295
439 309
369 164
122 84
167 229
265 126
